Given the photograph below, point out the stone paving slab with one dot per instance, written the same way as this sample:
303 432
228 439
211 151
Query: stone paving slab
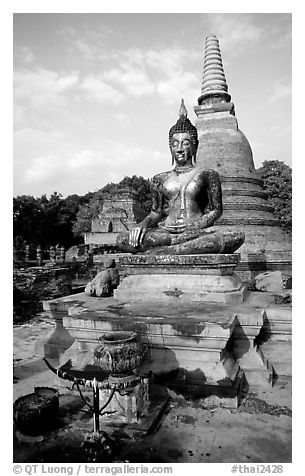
188 434
27 334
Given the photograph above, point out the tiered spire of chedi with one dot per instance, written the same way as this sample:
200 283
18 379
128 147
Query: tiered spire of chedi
224 148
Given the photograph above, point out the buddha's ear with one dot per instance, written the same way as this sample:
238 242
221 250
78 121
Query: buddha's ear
194 154
170 148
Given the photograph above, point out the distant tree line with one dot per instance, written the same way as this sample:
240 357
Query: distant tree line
63 221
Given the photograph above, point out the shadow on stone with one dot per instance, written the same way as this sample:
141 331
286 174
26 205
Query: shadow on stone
239 343
265 332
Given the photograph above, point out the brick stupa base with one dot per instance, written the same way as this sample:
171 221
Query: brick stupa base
181 278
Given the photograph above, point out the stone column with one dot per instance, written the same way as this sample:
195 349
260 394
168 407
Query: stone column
86 252
52 254
62 254
27 253
39 256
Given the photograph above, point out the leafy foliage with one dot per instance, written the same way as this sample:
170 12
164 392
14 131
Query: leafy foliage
45 221
27 218
277 183
86 213
138 186
57 220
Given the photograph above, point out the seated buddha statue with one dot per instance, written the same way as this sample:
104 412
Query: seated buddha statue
186 201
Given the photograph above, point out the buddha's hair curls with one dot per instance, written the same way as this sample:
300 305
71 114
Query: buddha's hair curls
184 125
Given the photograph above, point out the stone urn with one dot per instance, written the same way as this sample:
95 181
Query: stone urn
120 353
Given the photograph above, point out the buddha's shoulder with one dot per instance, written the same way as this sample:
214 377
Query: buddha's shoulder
209 174
160 178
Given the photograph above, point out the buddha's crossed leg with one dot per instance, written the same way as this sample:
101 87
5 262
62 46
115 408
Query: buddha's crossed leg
197 241
153 238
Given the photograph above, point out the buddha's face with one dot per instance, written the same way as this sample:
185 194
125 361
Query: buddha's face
181 148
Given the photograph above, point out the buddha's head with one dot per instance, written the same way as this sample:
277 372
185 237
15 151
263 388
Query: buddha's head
183 139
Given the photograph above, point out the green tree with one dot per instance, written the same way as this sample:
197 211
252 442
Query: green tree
57 220
277 183
140 188
46 221
87 212
52 220
27 218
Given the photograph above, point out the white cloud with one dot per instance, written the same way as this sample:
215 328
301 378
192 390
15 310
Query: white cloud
280 91
85 49
42 88
30 142
98 90
19 113
25 55
81 160
280 33
166 72
236 32
282 41
281 131
136 82
121 117
170 60
52 163
86 43
184 85
67 81
133 56
42 168
135 72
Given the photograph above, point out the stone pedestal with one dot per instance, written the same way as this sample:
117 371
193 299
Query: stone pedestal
127 406
194 348
181 278
137 411
188 342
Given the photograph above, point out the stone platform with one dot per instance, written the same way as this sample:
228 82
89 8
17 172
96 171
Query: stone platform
194 347
181 278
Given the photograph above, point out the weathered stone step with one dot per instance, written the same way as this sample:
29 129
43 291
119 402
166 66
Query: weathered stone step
244 205
278 323
248 221
241 192
283 313
278 355
257 372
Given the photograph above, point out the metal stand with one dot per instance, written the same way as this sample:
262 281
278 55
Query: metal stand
115 384
95 408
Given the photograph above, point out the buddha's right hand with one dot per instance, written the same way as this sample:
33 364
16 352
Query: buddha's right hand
136 236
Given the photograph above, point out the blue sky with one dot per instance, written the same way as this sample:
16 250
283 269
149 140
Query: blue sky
95 94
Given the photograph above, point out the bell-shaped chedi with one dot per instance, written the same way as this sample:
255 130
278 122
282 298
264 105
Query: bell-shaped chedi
224 148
